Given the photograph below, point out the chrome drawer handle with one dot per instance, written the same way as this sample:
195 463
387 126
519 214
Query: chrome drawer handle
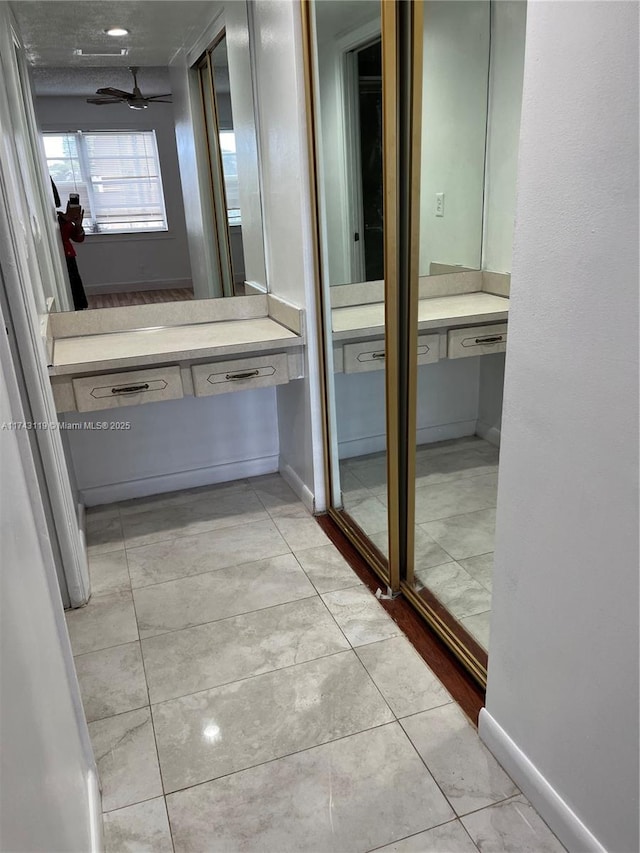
378 355
247 375
127 389
491 340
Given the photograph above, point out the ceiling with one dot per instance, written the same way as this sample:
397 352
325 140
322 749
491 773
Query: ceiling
83 82
338 17
52 29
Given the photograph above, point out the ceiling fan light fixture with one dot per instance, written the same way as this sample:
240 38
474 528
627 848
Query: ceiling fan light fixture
117 31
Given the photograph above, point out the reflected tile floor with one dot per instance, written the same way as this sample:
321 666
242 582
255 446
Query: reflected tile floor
456 487
245 692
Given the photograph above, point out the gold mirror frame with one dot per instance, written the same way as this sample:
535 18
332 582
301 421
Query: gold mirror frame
402 47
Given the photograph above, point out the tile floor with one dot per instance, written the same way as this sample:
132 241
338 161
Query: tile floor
456 486
245 692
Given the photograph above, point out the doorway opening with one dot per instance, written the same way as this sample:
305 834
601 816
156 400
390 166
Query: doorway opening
365 96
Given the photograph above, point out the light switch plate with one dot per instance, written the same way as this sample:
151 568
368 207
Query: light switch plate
439 204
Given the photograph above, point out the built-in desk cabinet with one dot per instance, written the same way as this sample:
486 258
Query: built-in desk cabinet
236 345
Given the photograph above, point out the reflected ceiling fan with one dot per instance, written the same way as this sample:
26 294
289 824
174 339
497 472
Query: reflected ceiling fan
135 100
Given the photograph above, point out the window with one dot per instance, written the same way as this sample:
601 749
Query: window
230 171
116 174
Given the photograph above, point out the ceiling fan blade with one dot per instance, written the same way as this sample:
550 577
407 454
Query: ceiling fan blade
100 101
157 101
115 93
156 97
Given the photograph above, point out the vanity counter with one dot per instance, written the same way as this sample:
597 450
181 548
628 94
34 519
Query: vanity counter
463 309
135 347
105 359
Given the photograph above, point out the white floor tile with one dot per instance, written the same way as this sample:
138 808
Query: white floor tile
103 530
480 568
232 649
214 511
467 773
206 552
301 532
107 620
360 616
403 678
326 568
456 589
142 828
466 535
109 572
479 626
127 761
112 681
511 827
230 728
449 838
216 595
353 794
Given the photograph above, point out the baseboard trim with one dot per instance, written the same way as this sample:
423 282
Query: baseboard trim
138 286
489 433
208 476
301 489
543 797
425 435
95 812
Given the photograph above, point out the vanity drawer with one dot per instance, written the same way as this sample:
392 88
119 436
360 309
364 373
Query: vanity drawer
113 390
220 377
477 340
369 355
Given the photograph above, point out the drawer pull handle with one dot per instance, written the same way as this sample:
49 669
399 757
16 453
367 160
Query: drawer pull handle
378 355
127 389
494 339
246 375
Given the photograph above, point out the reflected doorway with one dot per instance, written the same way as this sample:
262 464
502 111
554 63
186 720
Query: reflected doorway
365 72
215 89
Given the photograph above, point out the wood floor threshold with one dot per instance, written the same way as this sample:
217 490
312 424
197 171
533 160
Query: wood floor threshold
464 689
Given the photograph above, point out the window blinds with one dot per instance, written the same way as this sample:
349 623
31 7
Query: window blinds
116 173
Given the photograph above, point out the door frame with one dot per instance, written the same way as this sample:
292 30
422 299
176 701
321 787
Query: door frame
25 249
353 132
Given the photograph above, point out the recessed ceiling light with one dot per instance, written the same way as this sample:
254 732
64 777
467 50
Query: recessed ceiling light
117 31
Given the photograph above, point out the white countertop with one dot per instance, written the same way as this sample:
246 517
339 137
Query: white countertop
460 310
89 353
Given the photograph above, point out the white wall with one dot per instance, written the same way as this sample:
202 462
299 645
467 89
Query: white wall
49 791
563 659
129 260
454 116
490 396
508 25
176 444
244 125
339 26
195 179
287 218
447 405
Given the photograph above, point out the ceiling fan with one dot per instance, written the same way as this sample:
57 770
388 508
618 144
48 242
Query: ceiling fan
135 100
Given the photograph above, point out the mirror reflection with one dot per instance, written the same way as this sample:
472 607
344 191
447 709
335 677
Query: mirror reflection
475 52
348 65
154 177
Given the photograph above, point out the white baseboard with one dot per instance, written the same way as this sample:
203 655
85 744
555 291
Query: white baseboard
110 493
543 797
427 435
301 489
489 433
137 286
95 812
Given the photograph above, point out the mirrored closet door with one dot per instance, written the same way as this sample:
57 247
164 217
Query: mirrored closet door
415 362
347 77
